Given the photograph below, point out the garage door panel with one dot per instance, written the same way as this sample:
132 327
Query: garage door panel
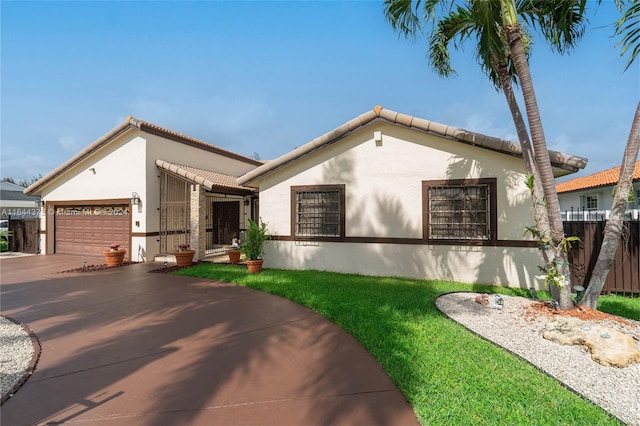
89 230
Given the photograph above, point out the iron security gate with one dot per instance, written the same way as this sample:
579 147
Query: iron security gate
174 213
223 222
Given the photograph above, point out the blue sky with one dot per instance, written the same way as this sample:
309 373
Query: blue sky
266 77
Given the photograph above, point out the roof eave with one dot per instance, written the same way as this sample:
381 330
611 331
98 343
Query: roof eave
559 160
178 137
177 171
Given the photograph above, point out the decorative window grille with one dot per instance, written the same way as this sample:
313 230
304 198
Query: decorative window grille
460 210
318 211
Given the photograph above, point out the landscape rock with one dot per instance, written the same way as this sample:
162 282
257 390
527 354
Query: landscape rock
608 347
482 299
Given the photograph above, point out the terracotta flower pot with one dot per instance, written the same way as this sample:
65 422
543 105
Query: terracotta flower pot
114 257
185 257
254 266
234 256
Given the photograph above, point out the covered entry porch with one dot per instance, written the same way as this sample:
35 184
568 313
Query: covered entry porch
201 208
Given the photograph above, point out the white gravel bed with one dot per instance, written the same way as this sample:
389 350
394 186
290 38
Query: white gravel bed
617 390
16 353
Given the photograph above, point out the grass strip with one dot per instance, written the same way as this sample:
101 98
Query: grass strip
448 374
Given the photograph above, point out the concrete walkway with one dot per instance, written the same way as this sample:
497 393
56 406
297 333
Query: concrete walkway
128 347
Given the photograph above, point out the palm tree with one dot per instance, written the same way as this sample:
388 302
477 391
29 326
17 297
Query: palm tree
501 49
481 20
628 28
558 12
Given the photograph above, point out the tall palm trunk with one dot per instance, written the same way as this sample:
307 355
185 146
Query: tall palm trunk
537 192
614 227
516 48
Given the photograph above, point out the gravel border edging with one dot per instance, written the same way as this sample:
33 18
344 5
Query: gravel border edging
33 362
565 385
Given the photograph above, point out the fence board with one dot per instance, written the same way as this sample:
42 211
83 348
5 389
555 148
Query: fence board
624 276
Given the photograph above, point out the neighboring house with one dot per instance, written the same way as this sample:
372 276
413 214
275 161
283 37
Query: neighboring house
15 204
148 189
394 195
590 197
16 209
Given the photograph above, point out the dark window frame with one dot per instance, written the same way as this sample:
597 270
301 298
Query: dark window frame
591 202
489 183
295 190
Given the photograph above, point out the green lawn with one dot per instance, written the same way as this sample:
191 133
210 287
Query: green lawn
448 374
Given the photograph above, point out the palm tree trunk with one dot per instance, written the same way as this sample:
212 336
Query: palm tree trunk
613 228
537 193
560 262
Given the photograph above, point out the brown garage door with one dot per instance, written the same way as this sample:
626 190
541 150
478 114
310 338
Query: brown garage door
89 230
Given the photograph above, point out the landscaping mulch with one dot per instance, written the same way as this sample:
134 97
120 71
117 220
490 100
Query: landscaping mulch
581 312
93 268
169 269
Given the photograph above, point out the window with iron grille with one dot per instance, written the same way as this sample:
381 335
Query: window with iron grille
317 211
460 210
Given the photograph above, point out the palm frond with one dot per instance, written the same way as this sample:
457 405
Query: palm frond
628 27
561 22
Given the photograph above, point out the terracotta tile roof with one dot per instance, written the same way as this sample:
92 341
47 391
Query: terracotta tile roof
207 178
560 160
603 178
180 137
129 124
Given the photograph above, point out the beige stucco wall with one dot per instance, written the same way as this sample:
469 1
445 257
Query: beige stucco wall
514 267
119 171
384 199
126 165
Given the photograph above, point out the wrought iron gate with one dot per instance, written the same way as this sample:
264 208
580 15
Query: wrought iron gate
223 222
174 213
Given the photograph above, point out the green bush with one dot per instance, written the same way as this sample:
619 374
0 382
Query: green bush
254 240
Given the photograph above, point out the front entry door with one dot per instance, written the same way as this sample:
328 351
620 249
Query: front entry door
226 221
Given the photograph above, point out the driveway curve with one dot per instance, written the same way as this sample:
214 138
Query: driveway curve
128 347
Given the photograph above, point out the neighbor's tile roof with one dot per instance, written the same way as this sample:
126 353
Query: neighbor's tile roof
603 178
135 123
568 162
207 178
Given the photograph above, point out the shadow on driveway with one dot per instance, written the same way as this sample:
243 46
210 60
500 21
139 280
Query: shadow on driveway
124 346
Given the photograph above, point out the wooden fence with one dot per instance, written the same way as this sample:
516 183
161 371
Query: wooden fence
24 235
624 276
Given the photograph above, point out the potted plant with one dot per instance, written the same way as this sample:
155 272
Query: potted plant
252 245
115 255
184 256
234 251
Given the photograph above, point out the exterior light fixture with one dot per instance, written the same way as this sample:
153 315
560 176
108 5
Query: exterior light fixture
246 202
135 199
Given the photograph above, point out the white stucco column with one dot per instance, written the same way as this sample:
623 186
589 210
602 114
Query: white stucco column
198 221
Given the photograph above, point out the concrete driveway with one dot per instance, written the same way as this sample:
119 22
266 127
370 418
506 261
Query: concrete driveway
128 347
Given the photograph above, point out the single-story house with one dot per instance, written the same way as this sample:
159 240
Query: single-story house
392 194
15 204
590 197
147 189
19 215
383 194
